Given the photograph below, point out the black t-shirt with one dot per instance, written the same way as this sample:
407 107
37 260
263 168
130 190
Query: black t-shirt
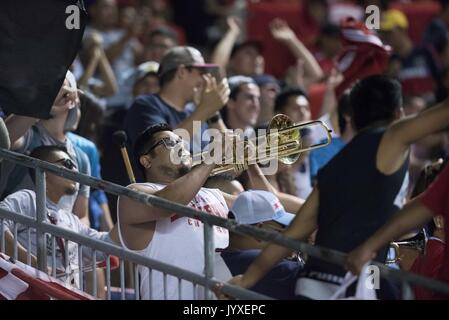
355 200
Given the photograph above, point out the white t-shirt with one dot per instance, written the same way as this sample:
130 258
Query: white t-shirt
24 202
179 241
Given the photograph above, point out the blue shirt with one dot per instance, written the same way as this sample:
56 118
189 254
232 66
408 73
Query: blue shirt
318 158
148 110
279 283
90 149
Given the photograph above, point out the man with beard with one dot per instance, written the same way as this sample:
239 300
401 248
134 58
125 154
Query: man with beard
164 236
24 202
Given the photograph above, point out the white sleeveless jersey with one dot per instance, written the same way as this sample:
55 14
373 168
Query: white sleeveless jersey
179 241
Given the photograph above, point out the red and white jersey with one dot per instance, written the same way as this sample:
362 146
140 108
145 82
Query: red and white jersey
179 241
363 55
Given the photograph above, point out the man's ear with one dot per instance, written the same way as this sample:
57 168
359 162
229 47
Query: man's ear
439 222
181 72
145 161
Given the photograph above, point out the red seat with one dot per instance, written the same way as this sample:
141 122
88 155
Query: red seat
277 56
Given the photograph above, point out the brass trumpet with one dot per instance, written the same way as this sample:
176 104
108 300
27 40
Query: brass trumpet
283 141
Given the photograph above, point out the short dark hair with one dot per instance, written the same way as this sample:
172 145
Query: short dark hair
375 98
236 83
44 153
146 139
282 99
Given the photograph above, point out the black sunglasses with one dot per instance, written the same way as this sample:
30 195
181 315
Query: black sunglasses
67 163
167 142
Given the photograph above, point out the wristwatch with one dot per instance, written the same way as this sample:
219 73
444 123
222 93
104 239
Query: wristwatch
214 119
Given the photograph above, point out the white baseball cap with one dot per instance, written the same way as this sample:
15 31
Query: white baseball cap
256 206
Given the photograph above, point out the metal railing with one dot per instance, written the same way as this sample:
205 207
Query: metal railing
208 280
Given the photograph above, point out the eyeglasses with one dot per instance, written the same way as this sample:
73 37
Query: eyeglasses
67 163
167 142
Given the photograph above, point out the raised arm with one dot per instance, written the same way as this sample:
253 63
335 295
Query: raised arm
116 49
282 32
401 134
110 86
181 191
222 51
330 101
17 127
98 59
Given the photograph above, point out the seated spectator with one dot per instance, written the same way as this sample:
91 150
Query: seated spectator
182 73
246 59
120 45
24 202
295 104
157 43
243 107
263 210
146 80
414 67
28 133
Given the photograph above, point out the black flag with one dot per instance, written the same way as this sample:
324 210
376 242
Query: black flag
39 40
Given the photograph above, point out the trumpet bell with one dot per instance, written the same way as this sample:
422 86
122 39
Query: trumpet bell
278 123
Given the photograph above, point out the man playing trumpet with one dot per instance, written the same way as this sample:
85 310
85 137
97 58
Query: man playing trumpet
164 236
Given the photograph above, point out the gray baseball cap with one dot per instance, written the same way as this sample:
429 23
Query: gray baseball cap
187 56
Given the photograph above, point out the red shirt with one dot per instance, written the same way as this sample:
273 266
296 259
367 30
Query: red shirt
428 265
436 199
